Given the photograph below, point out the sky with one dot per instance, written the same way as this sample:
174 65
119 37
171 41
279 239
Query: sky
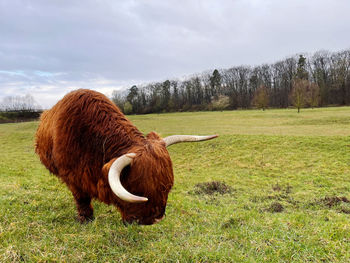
51 47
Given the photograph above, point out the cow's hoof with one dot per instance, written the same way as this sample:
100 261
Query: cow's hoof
85 219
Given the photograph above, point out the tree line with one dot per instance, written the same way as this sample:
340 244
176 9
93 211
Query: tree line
306 80
18 108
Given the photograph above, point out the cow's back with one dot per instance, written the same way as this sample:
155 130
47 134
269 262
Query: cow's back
83 131
71 131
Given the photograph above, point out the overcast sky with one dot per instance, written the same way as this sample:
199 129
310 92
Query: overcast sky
50 47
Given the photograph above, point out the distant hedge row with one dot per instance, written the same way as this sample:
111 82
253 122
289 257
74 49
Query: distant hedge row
18 116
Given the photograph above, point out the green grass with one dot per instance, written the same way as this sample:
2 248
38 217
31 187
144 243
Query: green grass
274 158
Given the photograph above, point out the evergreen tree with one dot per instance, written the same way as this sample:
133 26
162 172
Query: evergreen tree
301 69
215 83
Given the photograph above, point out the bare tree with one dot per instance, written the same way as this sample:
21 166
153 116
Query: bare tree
24 103
299 93
261 98
119 99
313 95
320 71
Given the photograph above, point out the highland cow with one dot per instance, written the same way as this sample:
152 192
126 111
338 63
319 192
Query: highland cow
88 143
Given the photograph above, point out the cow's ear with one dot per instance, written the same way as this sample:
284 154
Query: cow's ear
106 167
153 136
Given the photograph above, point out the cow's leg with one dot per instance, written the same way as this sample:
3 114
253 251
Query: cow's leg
84 207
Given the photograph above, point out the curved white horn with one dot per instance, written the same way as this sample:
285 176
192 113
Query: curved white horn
186 138
114 179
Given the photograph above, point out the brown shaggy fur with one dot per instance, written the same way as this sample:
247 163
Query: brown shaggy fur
78 140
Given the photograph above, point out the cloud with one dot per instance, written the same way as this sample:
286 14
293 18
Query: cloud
51 47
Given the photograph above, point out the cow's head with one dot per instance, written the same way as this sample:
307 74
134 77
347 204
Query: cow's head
146 172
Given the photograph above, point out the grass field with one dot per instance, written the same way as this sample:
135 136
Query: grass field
287 182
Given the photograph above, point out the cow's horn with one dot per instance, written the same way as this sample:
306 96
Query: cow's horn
186 138
114 179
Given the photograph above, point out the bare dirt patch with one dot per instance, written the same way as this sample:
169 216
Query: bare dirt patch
340 203
332 201
212 187
275 207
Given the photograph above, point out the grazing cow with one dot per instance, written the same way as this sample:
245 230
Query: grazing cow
87 142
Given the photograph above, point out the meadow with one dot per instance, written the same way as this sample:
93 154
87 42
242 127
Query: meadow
274 187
